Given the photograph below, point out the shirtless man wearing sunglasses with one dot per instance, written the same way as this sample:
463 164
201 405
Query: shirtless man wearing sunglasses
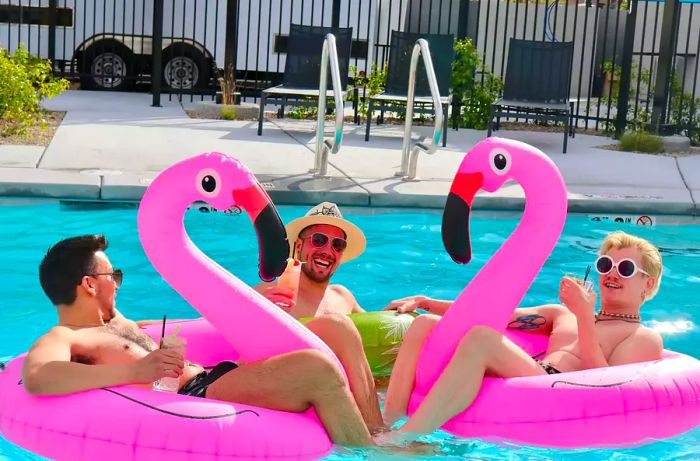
629 269
322 239
95 346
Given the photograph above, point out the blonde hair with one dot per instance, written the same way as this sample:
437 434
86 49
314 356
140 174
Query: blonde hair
651 257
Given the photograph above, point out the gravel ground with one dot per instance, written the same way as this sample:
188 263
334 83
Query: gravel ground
36 135
209 116
692 151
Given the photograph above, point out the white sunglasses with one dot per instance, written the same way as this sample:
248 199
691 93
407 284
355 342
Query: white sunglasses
626 267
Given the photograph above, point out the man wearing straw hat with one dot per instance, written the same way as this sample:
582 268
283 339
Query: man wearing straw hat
322 239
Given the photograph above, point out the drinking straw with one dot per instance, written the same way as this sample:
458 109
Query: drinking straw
588 271
162 334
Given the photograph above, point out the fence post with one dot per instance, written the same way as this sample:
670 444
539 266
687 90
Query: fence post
667 48
626 70
53 19
335 14
157 56
231 46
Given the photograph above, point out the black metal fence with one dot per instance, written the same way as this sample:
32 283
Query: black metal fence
180 46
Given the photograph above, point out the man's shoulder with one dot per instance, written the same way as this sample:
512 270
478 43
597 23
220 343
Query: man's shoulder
59 331
647 335
340 289
54 335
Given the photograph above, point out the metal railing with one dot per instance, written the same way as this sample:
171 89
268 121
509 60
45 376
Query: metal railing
409 157
323 146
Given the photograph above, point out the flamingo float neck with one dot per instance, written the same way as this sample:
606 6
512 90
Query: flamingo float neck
249 322
500 285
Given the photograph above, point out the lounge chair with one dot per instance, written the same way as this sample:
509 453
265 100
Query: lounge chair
538 77
395 93
303 66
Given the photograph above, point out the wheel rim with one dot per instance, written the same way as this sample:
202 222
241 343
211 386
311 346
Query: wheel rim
108 70
181 73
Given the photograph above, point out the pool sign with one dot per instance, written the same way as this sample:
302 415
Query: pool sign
638 220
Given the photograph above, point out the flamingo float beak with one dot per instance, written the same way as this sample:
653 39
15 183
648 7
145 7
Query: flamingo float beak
273 247
455 218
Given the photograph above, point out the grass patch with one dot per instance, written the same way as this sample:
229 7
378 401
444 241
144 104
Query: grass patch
639 141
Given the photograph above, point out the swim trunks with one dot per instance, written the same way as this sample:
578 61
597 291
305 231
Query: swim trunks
548 367
197 386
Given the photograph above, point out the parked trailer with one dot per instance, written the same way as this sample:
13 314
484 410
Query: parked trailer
108 44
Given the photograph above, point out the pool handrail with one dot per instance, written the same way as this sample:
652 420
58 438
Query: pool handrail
329 53
409 157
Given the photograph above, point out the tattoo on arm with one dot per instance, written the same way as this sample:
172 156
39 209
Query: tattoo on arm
527 322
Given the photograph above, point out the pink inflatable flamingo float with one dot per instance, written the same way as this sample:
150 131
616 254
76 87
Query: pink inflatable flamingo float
605 406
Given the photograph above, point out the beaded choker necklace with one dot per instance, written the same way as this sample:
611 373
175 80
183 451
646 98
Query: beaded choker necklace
616 315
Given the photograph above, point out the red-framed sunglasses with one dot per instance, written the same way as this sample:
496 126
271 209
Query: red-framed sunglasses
320 240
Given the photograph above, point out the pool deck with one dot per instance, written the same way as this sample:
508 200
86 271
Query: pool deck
110 145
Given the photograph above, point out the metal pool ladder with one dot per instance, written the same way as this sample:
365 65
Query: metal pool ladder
323 146
409 157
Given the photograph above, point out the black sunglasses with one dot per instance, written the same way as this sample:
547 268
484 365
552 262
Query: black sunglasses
319 240
117 276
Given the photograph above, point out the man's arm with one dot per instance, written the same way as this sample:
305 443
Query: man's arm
538 319
411 303
581 303
643 345
49 371
592 355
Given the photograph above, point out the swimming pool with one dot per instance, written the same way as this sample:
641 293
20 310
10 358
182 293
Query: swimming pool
404 256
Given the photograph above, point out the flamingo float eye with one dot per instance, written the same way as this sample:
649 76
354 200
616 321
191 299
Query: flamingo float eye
208 182
500 162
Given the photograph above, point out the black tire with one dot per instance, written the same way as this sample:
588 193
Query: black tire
185 68
107 65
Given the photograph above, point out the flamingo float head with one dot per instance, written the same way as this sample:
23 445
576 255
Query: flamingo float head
223 182
488 165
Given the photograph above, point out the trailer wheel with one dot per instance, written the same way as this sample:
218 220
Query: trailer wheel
185 68
107 65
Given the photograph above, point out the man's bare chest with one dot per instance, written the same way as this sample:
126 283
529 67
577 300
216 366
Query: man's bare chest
110 345
330 303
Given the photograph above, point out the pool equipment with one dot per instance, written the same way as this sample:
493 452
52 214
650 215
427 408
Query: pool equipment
409 157
610 406
129 423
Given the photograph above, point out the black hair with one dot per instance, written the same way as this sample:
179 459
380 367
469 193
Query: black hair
65 264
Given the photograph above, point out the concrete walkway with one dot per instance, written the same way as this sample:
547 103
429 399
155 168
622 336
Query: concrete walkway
110 145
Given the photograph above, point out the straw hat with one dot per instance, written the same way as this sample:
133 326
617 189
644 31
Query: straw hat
328 213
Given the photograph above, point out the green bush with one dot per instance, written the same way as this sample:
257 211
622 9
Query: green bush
474 86
24 81
374 82
228 113
639 141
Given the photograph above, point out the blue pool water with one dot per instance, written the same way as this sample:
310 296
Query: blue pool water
404 256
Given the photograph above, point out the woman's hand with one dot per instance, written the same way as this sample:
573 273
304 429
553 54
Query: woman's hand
576 298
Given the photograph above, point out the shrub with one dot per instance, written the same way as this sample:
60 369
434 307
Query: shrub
374 82
24 81
474 86
639 141
228 112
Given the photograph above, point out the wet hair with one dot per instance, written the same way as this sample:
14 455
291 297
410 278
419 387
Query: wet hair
65 264
651 257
